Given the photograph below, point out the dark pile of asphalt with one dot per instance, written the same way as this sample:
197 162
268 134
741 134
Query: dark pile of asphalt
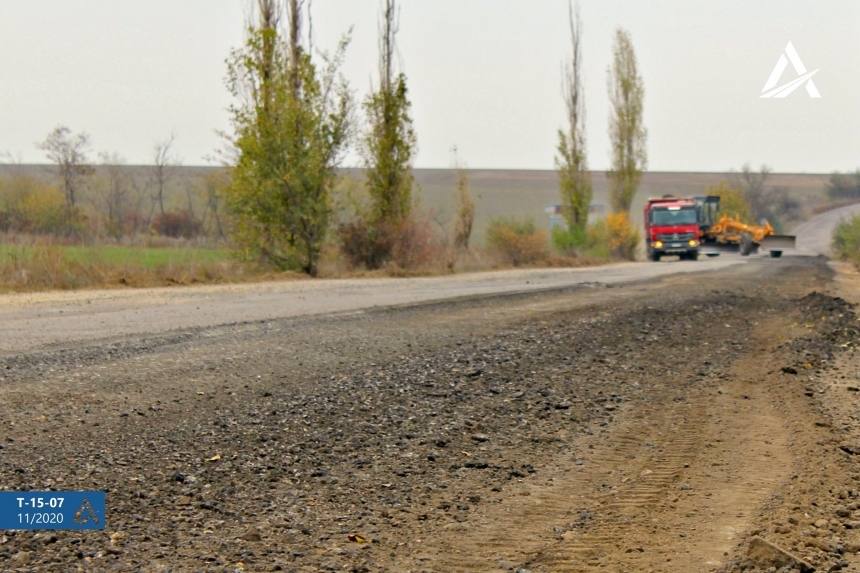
220 464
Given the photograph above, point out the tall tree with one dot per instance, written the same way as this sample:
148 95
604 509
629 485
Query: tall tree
292 122
753 185
115 192
69 152
465 220
390 142
163 169
574 179
627 132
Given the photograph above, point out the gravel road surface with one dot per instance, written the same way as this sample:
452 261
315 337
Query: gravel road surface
677 424
673 416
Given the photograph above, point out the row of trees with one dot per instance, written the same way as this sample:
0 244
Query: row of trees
844 186
293 122
746 196
295 118
745 193
628 137
103 196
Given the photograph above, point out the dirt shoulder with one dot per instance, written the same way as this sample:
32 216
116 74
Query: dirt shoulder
646 427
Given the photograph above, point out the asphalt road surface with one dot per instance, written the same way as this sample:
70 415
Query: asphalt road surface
814 236
29 322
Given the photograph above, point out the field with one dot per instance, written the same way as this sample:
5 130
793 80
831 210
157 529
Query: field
48 266
132 257
505 193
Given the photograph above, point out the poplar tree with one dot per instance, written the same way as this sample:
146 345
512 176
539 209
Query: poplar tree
292 124
574 179
390 142
627 133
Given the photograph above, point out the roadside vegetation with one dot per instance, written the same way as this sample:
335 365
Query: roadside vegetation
42 264
733 202
846 240
615 237
280 203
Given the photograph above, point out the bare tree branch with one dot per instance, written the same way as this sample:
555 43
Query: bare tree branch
69 153
389 26
163 168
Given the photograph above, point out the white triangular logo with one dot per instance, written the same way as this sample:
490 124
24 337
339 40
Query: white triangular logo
785 89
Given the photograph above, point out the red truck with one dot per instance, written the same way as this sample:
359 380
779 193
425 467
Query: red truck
672 228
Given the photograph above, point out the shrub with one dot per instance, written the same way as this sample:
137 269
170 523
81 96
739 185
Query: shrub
517 240
570 242
366 245
845 186
410 244
418 245
846 239
29 206
623 236
465 212
613 237
177 224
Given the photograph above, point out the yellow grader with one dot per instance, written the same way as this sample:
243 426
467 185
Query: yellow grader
729 232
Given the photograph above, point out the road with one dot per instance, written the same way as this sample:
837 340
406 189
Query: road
656 425
814 236
29 322
32 321
650 427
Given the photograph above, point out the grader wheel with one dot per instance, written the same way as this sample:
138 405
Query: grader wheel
746 245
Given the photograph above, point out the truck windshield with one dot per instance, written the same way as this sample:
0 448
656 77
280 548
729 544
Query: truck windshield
665 217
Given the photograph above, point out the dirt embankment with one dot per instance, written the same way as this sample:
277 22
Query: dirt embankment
650 427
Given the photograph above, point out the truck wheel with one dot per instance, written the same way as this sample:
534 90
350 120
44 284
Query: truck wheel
746 245
693 256
655 257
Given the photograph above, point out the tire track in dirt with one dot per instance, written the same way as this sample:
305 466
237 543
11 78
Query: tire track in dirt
643 485
671 488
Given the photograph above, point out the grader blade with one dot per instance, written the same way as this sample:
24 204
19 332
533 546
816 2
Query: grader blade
778 242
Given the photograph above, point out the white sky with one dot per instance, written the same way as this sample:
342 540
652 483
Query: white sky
484 75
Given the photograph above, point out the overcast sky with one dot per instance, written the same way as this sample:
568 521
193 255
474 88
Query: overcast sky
484 75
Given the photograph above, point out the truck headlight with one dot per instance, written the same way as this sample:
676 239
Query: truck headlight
658 244
693 242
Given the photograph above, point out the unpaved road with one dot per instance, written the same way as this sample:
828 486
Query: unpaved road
654 426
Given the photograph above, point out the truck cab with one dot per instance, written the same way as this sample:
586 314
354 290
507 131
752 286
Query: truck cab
672 228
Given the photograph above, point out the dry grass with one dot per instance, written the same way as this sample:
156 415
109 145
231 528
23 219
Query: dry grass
43 266
819 209
31 263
